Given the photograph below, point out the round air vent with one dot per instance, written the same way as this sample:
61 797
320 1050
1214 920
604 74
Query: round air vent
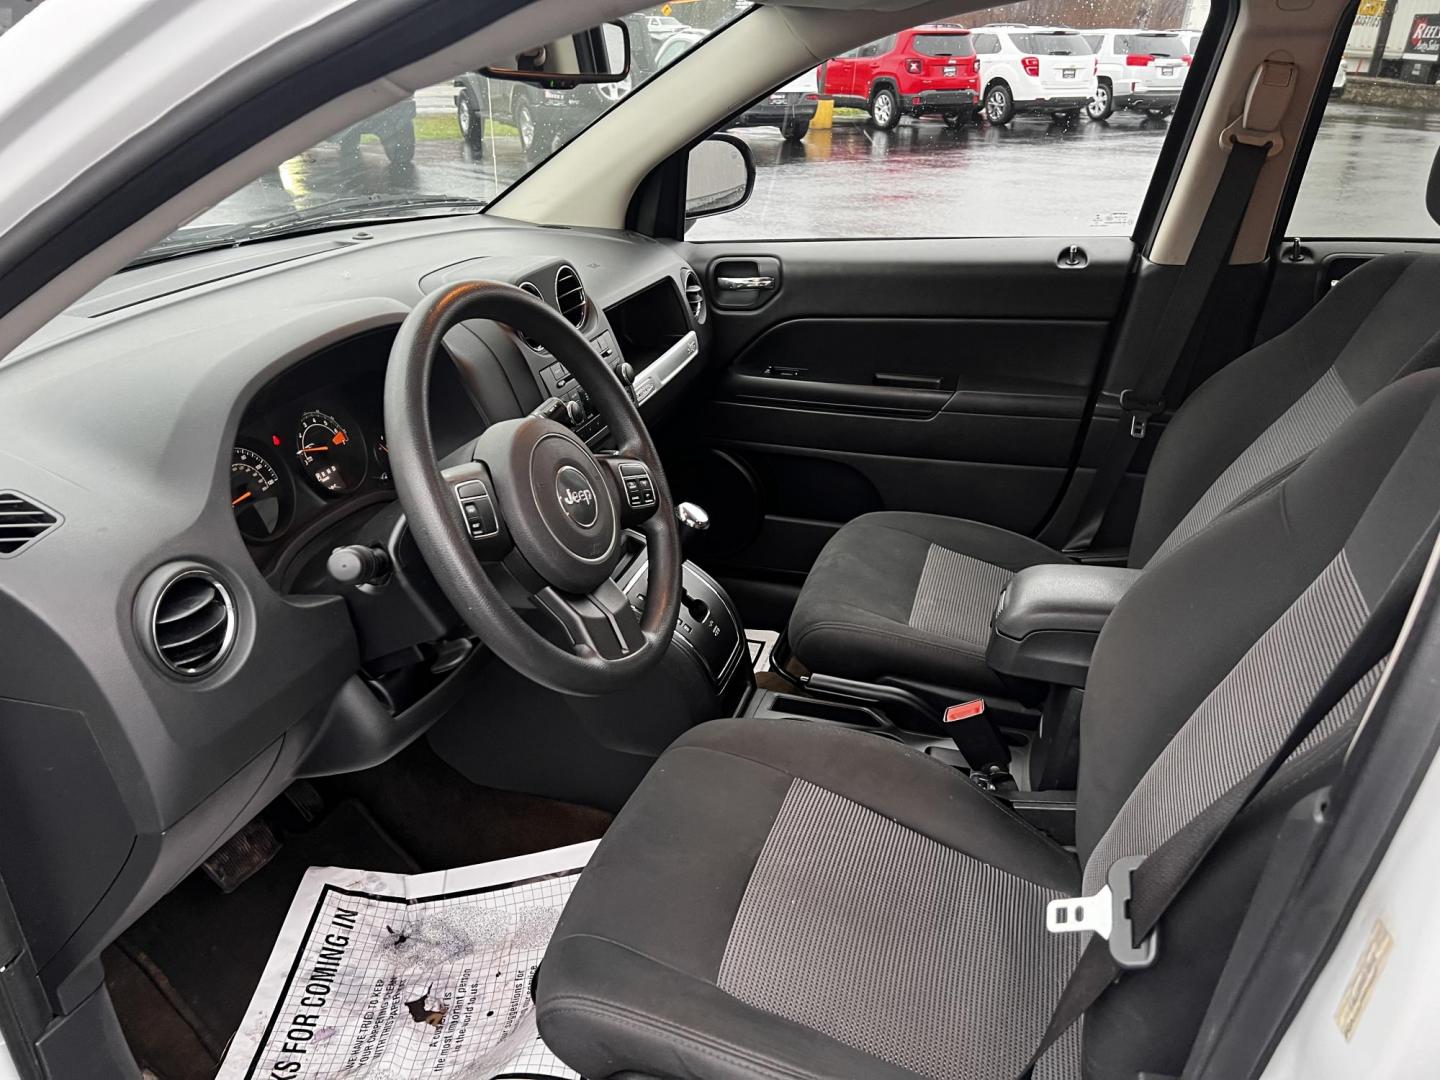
534 290
192 624
694 296
570 295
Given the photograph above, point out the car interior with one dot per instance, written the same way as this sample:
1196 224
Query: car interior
881 605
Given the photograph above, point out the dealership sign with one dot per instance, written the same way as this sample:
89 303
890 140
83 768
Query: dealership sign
1424 40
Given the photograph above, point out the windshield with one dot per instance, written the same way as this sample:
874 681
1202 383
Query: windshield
1051 44
1171 45
451 148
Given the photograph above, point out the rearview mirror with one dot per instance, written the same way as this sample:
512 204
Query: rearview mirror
719 176
598 55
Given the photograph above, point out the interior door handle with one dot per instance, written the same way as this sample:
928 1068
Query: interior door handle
741 284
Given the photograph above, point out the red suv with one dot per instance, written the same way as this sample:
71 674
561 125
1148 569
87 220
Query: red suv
924 71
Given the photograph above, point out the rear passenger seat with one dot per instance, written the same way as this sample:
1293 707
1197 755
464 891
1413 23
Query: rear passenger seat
910 595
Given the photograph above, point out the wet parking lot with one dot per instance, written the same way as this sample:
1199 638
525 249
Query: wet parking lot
1034 177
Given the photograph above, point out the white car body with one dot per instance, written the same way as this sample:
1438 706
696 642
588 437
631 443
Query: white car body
1042 69
1141 70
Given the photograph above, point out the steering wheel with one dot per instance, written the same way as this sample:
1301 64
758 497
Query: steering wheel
534 498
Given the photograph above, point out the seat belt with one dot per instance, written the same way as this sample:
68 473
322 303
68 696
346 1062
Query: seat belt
1248 142
1141 890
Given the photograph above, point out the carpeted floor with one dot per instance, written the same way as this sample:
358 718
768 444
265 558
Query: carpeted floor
183 975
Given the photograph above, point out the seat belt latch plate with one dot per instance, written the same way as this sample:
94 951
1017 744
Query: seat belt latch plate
1106 913
1139 411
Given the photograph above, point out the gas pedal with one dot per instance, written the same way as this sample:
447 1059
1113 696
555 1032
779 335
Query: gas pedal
306 801
244 855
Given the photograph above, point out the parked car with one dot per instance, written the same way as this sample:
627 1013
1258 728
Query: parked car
660 27
790 108
1139 70
394 127
541 117
923 71
1033 69
1337 84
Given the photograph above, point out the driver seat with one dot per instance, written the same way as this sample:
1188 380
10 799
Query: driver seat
787 899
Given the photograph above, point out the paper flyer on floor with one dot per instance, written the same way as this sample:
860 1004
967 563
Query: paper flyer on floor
382 976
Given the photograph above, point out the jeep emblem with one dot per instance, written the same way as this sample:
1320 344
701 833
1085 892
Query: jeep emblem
577 497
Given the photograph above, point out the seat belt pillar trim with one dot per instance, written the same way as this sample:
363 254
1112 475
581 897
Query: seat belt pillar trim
1266 102
1107 913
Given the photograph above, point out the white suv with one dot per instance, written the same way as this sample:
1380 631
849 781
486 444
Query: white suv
1141 70
1033 69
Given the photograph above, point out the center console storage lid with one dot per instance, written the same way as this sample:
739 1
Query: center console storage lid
1049 618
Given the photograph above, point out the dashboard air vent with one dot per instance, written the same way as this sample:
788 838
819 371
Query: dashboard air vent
534 290
570 295
193 625
694 296
22 522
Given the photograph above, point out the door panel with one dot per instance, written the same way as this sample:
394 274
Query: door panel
943 376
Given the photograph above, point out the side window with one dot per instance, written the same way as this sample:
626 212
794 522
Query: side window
1367 172
995 138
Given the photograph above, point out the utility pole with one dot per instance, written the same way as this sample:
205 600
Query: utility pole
1382 35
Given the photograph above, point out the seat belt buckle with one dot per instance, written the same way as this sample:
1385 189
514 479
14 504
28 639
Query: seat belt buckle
1107 913
1140 411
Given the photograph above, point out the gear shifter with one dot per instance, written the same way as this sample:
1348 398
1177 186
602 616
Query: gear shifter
693 521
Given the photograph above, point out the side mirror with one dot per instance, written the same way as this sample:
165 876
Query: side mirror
598 55
719 176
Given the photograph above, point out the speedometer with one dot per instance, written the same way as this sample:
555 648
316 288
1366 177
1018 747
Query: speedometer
332 454
258 494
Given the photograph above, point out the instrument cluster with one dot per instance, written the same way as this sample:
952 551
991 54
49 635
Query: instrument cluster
312 441
321 455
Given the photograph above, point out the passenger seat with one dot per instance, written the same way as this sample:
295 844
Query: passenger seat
910 595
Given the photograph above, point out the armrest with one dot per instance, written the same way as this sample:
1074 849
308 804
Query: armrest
1049 618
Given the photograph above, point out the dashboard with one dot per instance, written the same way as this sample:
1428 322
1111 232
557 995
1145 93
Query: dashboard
202 434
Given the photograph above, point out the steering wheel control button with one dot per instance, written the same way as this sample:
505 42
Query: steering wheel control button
639 487
478 510
577 497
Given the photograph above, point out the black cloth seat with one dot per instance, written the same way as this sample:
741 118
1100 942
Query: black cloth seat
911 595
784 899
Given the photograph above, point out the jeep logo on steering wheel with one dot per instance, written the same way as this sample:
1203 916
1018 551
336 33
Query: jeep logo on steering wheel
577 497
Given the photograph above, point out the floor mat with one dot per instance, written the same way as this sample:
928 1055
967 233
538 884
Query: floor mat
761 644
206 950
400 975
443 819
182 977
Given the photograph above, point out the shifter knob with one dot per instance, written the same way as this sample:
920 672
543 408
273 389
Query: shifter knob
692 518
693 521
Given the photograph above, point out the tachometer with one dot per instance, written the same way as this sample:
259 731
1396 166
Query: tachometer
333 455
258 494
